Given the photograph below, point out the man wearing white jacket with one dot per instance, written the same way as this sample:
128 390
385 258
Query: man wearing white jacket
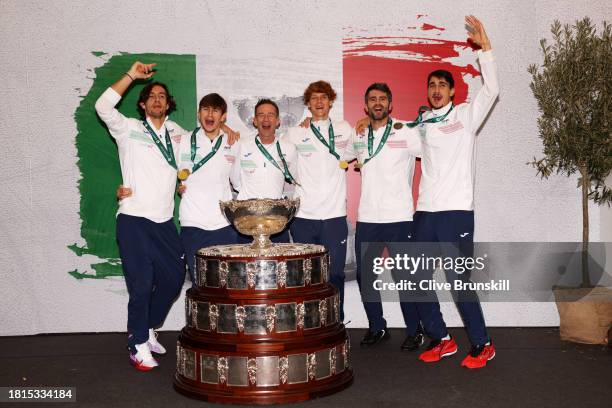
149 245
265 164
445 207
323 152
386 152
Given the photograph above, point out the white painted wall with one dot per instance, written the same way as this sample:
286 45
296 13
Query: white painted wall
46 57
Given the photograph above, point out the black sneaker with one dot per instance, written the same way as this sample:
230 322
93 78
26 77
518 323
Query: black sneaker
371 338
412 343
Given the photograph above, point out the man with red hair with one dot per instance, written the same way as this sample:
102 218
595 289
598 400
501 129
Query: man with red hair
323 152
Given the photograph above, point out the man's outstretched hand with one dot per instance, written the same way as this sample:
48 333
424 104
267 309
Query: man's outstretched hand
141 71
477 33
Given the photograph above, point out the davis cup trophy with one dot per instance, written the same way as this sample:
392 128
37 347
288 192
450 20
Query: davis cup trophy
263 321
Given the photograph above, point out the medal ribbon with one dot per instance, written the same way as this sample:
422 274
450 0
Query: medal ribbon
285 170
436 119
206 158
332 145
383 140
167 151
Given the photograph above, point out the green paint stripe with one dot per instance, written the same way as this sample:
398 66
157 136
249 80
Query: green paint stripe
98 161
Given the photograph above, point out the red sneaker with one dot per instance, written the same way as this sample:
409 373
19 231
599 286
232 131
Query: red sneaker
479 355
438 349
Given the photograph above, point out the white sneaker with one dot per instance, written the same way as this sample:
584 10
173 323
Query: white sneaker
154 345
143 360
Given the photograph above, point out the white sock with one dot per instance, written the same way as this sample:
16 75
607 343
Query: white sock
447 337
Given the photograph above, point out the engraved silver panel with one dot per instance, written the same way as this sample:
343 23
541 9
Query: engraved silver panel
222 368
286 317
237 275
212 273
190 364
255 322
323 311
300 315
337 308
307 271
312 318
209 373
214 316
200 272
331 317
332 360
180 363
312 365
265 277
295 273
267 371
270 317
237 371
339 358
323 369
283 368
241 250
281 274
227 319
240 316
316 272
347 352
252 370
298 368
223 273
202 316
251 272
194 313
325 268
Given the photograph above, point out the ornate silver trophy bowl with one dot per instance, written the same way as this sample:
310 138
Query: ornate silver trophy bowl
260 218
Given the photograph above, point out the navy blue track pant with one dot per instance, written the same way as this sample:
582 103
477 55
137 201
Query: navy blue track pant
370 241
456 227
154 270
332 234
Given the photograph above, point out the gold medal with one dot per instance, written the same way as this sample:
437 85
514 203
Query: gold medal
343 164
183 174
398 126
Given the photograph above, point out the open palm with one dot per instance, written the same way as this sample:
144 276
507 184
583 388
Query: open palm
477 33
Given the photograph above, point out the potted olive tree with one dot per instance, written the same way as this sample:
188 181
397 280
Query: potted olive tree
573 91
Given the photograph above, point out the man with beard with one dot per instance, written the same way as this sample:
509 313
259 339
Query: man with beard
149 244
323 152
445 208
386 153
264 165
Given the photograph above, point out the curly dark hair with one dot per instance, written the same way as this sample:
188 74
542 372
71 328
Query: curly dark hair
144 95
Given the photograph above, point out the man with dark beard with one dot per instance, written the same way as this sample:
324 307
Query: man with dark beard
386 152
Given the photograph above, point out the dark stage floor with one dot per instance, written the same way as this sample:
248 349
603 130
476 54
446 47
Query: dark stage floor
533 368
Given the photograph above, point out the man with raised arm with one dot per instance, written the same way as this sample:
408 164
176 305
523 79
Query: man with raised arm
386 153
323 152
149 245
445 207
265 164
